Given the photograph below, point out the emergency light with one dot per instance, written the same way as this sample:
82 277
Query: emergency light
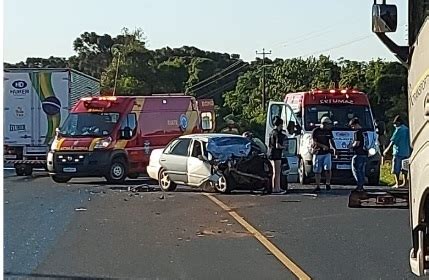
103 102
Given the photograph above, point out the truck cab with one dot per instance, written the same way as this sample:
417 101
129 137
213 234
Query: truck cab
113 136
302 113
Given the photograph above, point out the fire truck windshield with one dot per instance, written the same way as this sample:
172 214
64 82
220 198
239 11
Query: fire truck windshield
340 115
89 124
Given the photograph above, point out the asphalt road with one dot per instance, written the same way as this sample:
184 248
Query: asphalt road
91 230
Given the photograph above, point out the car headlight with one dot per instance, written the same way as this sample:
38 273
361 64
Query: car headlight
103 143
372 152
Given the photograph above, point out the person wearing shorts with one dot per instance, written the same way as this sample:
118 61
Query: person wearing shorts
323 144
276 146
400 141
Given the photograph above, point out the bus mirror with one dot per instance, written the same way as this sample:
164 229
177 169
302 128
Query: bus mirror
384 18
207 121
126 133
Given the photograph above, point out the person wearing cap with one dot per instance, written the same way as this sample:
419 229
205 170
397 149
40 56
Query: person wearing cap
230 129
322 146
256 142
400 141
360 156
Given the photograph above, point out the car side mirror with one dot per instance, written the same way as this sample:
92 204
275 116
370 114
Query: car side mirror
126 133
384 18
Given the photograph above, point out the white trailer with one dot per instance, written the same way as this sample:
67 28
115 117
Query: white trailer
36 102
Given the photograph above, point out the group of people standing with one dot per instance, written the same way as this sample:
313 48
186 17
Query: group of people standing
323 148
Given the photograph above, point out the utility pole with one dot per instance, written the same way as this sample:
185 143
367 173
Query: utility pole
264 94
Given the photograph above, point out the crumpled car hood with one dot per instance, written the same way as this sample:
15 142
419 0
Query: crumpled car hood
224 148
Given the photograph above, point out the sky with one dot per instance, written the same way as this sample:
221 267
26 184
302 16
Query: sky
289 28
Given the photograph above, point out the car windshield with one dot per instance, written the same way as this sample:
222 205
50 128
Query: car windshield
340 116
89 124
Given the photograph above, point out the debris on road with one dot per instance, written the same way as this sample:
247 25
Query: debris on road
141 188
310 194
290 200
161 196
80 209
224 221
51 210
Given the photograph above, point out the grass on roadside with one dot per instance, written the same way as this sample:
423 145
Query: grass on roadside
386 177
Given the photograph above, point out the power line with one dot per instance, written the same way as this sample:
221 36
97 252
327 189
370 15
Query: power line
341 45
221 77
318 32
212 93
216 74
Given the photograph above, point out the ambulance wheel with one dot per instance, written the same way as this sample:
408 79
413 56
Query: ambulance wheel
60 179
303 178
117 171
165 183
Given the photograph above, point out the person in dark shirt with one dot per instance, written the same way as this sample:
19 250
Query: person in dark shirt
276 146
360 157
323 145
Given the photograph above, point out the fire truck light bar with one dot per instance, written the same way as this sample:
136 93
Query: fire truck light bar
335 91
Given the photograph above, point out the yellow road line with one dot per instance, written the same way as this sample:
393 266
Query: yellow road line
294 268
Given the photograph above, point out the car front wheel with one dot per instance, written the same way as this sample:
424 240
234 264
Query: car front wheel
222 185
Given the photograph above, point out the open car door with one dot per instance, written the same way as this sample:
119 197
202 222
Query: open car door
198 171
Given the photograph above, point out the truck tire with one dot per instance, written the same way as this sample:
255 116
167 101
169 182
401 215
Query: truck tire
303 178
117 171
23 170
19 171
374 180
165 183
60 179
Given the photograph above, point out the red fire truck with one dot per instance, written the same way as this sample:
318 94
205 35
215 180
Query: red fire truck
302 112
113 136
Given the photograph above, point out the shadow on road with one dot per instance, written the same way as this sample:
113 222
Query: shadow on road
54 276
